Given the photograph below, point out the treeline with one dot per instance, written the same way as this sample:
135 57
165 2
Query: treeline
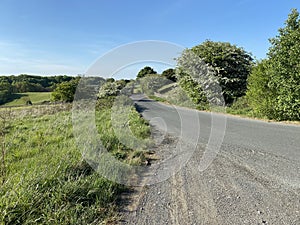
274 84
28 83
269 88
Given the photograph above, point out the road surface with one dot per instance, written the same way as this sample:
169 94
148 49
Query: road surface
254 178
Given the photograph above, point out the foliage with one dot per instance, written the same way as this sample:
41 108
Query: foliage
146 71
198 80
261 96
232 65
27 86
29 83
194 91
10 86
65 91
274 86
241 107
151 83
176 96
105 102
110 80
111 88
5 91
170 74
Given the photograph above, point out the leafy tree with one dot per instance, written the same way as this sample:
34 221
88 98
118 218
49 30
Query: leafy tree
194 90
65 91
5 91
30 83
146 71
111 88
170 74
110 80
198 80
27 86
151 83
279 81
232 65
261 97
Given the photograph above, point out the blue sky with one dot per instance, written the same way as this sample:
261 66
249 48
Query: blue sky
48 37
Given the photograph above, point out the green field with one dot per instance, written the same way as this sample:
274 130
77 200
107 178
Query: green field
34 97
44 179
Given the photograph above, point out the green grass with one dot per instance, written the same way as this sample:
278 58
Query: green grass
156 98
167 88
124 123
34 97
175 96
241 107
47 182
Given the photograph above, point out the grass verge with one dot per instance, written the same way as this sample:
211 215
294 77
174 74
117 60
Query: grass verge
45 180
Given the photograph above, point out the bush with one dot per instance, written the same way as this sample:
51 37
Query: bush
65 91
274 84
194 91
241 107
232 65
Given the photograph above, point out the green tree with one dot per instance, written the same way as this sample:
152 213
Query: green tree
65 91
232 66
5 91
280 80
170 74
30 83
146 71
194 90
151 83
260 96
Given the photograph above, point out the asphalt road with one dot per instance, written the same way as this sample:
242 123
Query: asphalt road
253 179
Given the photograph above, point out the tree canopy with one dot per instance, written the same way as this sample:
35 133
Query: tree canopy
65 91
170 74
146 71
30 83
231 64
276 81
5 91
111 87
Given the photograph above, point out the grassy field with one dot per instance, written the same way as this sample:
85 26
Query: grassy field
34 97
43 177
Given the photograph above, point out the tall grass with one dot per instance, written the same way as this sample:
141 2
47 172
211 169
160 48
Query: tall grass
46 180
123 131
241 107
